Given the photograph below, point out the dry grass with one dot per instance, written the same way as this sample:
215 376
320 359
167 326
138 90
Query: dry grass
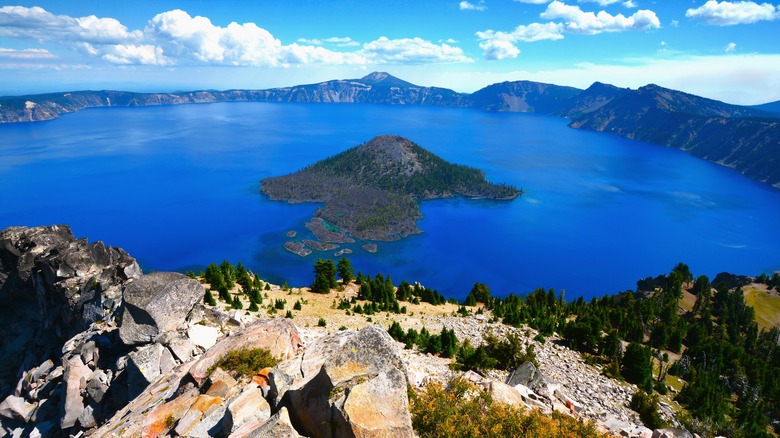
766 304
315 306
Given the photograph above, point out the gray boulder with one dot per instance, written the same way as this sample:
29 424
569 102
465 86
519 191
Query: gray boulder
143 367
59 286
671 433
528 376
16 408
291 371
156 303
360 390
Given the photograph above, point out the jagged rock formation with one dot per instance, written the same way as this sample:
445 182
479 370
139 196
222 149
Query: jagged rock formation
52 287
371 191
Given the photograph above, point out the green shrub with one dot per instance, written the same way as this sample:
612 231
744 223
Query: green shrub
647 408
322 322
246 362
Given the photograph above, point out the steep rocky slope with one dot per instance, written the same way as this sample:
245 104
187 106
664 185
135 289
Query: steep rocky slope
147 366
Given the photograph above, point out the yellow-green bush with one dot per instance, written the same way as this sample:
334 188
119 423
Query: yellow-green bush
247 362
461 410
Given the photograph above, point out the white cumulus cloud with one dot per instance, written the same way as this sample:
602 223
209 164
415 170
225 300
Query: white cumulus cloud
411 51
38 24
342 41
468 6
727 13
501 45
575 20
175 38
730 48
563 18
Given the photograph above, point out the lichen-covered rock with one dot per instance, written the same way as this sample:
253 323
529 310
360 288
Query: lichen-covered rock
360 390
278 426
248 407
280 336
155 304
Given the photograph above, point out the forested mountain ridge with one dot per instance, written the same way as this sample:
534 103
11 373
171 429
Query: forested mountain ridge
746 139
372 190
742 138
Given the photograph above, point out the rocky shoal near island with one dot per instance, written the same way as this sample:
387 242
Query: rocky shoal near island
96 347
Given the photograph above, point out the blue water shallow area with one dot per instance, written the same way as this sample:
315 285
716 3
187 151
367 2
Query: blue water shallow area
177 187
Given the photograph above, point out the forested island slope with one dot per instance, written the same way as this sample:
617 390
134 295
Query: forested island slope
371 191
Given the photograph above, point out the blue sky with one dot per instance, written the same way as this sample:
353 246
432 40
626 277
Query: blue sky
719 49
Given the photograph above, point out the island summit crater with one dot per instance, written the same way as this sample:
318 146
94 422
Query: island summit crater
370 191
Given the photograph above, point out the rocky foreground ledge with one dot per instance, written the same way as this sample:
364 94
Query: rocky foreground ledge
91 346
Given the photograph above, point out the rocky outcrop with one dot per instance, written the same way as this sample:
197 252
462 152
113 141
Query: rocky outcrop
342 385
360 390
59 286
72 283
66 364
157 303
279 336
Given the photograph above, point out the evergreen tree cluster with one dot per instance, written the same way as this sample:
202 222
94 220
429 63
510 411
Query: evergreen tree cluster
730 366
224 277
444 344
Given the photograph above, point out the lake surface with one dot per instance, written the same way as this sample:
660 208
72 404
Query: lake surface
177 187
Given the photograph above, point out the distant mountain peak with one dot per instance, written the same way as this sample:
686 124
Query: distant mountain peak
383 79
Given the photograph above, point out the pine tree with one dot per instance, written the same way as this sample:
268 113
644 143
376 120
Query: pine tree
345 271
209 298
636 366
324 276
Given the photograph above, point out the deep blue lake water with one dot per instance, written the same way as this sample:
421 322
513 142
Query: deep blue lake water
177 187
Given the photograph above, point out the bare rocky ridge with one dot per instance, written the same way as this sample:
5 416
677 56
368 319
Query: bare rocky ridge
331 382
